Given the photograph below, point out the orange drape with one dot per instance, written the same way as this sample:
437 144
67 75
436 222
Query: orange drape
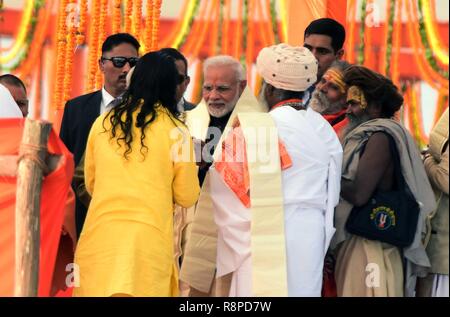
57 208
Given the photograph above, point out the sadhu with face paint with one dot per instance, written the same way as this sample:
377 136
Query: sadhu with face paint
368 166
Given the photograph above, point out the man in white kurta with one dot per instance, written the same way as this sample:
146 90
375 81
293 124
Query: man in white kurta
310 184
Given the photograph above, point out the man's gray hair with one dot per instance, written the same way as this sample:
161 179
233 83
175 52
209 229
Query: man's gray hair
225 60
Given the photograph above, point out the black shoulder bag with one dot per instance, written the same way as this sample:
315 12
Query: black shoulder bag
389 216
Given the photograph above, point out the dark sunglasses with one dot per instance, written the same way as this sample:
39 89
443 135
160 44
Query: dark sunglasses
119 61
181 78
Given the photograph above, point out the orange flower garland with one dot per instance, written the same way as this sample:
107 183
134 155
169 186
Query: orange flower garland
60 55
101 38
116 19
68 66
156 16
93 40
148 26
128 15
80 38
137 18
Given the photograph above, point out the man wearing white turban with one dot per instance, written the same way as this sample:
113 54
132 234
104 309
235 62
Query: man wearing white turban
266 257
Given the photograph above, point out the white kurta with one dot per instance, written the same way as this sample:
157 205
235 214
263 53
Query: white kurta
311 189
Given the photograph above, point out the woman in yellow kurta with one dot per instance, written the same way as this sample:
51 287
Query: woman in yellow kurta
135 170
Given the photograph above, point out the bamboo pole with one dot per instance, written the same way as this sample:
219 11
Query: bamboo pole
30 172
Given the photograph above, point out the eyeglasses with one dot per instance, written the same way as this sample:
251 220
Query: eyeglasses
181 78
120 61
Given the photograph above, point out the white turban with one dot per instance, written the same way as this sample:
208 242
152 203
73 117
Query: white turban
8 107
287 67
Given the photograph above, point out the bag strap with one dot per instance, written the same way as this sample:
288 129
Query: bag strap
400 180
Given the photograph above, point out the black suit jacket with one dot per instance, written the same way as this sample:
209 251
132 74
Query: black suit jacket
79 115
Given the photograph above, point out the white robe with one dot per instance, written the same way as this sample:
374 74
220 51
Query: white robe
311 189
8 107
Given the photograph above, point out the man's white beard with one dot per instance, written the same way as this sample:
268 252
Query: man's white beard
228 108
320 103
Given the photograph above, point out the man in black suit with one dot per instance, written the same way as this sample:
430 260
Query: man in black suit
182 66
119 54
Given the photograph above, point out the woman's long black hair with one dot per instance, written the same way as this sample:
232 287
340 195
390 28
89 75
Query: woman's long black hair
154 80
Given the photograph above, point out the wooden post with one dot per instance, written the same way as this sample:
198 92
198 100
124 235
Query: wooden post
31 169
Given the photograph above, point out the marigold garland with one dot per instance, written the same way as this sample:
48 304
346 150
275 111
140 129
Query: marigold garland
93 40
148 25
116 16
137 18
60 55
68 65
80 37
128 15
101 38
156 17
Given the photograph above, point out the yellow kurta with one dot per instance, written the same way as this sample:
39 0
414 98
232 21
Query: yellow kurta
126 246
